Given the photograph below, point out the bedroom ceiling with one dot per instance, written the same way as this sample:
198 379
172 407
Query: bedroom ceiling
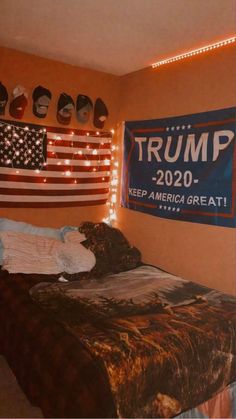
115 36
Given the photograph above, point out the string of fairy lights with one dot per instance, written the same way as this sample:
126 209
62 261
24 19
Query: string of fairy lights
196 51
17 137
112 202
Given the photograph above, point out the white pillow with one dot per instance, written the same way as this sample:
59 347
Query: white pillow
18 226
28 253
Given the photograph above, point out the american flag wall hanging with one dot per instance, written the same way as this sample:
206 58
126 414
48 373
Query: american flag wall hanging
53 167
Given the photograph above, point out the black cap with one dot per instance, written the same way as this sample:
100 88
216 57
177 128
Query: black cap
100 113
3 98
41 99
63 110
84 106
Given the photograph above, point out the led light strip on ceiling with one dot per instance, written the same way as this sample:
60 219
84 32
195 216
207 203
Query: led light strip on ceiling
195 52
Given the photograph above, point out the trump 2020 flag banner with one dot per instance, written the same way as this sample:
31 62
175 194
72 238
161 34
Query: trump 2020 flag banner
182 168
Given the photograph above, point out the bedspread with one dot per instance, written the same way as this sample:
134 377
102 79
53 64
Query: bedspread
56 372
164 344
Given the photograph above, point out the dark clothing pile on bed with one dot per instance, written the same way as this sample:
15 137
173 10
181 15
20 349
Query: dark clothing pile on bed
112 251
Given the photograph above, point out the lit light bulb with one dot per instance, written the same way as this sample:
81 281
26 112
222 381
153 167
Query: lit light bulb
106 220
113 216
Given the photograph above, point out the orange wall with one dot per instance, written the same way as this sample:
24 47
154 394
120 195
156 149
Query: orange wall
202 253
30 71
206 254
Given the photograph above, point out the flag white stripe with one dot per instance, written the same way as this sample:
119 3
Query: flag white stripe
45 173
58 198
73 150
55 186
79 138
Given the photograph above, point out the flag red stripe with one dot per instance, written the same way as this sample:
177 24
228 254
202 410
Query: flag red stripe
51 204
55 154
56 168
58 130
48 192
34 179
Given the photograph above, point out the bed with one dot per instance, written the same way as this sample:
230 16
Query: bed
137 342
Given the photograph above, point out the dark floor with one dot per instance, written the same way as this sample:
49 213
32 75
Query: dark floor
13 402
